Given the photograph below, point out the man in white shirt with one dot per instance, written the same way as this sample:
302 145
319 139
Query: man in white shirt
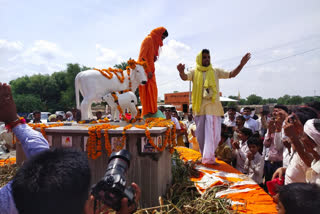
250 123
241 149
254 163
230 121
175 120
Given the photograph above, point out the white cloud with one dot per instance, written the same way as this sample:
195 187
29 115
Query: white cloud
174 50
41 57
107 55
168 80
41 52
11 46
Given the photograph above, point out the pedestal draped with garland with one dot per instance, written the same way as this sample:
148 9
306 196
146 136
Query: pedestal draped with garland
94 147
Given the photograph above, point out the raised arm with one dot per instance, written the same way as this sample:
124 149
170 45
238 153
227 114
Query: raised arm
244 61
32 141
181 68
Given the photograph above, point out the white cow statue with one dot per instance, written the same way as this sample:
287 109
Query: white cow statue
127 100
93 86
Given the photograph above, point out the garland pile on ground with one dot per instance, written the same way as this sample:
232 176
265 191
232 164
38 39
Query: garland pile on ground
183 197
7 172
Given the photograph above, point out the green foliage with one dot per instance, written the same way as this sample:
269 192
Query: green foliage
242 102
46 92
122 65
234 97
295 100
284 100
28 103
254 100
270 100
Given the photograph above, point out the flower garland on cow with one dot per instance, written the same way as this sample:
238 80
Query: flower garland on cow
108 73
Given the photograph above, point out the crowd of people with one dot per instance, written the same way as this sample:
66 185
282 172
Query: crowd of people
278 149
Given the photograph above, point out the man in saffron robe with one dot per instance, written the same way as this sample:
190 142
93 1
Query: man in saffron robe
149 52
206 103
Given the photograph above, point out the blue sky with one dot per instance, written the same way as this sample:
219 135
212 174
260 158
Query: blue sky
283 37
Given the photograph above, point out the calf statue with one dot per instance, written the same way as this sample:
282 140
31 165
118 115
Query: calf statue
127 100
94 84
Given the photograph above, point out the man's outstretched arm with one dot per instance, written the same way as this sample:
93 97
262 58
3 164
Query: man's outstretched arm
244 61
181 68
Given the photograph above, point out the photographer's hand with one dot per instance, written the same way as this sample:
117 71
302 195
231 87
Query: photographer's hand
124 202
89 207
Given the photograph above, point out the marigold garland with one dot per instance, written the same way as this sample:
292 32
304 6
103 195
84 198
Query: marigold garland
43 126
124 134
116 100
108 73
94 146
160 122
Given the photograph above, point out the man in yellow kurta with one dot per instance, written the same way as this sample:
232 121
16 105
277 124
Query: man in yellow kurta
206 103
149 52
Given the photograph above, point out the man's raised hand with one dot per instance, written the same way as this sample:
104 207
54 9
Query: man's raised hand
8 112
245 59
181 68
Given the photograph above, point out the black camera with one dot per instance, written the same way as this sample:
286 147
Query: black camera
112 187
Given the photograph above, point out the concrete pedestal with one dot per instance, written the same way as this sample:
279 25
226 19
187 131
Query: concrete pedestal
151 171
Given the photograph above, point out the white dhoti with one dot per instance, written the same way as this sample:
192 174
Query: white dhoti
208 134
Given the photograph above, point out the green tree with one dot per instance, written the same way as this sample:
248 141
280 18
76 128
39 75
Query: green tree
284 100
122 65
234 97
254 100
270 100
27 103
242 102
295 100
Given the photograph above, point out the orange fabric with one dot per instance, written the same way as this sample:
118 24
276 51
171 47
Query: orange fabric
7 161
149 51
254 201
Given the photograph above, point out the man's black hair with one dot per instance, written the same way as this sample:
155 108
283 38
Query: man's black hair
53 181
246 131
169 109
305 113
241 118
254 140
316 124
232 108
166 34
315 105
224 135
206 51
283 107
36 112
300 198
247 108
